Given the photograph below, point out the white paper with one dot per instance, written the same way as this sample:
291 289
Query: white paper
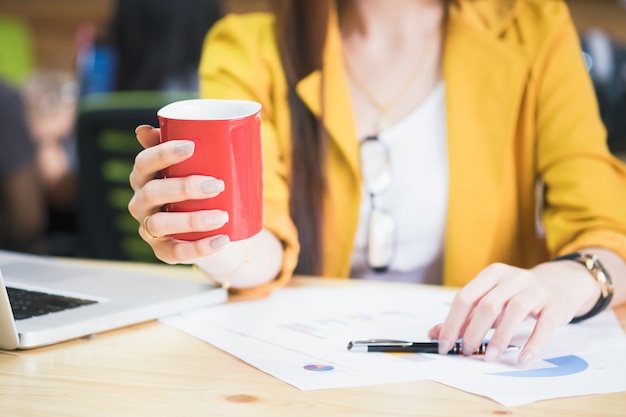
300 336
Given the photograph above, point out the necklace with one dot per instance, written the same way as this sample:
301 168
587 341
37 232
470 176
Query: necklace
384 108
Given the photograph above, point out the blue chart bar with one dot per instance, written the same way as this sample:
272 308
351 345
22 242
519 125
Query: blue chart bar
565 365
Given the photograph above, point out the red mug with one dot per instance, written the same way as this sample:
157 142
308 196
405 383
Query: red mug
227 137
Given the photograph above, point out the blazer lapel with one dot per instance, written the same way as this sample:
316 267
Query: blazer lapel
485 80
331 86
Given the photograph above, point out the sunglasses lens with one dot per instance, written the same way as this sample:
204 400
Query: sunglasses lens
380 245
375 166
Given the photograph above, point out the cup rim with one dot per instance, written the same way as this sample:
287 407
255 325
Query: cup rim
209 109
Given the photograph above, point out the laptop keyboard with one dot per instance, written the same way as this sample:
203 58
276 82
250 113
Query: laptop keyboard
27 303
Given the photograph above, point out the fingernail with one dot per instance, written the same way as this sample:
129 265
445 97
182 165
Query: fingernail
434 331
525 358
219 241
468 350
216 218
184 148
492 353
212 186
138 128
444 347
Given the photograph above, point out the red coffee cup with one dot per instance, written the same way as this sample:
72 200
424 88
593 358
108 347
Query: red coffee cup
227 137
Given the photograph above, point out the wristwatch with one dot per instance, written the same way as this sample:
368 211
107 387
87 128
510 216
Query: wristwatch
598 272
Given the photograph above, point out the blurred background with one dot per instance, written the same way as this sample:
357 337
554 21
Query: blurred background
69 61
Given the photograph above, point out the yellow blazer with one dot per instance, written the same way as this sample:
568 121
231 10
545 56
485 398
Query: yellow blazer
521 111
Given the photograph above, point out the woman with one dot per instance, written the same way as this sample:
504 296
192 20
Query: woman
465 108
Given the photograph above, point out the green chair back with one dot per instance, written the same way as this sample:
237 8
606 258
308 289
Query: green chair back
107 147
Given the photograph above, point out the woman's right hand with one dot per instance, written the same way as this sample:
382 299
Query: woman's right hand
152 193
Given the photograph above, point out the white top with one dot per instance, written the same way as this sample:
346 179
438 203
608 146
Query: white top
417 198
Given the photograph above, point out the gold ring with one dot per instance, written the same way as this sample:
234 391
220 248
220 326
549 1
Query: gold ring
145 228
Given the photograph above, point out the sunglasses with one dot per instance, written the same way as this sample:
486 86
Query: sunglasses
376 173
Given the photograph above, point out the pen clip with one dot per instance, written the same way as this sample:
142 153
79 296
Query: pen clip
378 342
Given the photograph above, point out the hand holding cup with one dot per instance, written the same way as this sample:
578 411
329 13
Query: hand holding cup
198 183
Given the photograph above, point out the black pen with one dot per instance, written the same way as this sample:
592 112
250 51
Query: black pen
386 345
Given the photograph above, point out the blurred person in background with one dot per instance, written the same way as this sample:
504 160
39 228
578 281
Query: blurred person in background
157 43
51 102
23 217
50 97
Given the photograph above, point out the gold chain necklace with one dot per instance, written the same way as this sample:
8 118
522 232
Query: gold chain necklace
384 108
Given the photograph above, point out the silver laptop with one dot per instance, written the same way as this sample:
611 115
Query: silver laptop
48 300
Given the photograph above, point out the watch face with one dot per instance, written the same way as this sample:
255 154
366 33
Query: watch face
599 273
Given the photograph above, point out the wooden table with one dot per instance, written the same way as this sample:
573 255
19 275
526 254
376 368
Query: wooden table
155 370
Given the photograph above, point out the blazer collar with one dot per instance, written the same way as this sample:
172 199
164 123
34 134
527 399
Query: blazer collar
330 87
473 59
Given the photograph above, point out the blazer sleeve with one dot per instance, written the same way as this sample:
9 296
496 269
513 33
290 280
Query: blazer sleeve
240 61
585 185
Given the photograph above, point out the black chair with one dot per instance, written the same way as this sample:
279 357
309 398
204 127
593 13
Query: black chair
107 147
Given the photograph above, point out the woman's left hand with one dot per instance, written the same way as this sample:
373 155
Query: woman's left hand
502 296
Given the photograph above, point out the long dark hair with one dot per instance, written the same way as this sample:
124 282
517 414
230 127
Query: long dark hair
301 31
